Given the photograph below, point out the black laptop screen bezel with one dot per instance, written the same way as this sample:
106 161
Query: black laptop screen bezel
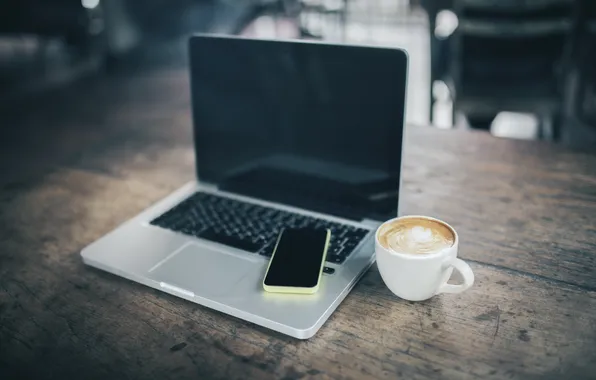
201 49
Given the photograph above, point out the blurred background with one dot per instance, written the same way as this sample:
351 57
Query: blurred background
515 69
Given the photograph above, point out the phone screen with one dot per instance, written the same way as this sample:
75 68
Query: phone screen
298 258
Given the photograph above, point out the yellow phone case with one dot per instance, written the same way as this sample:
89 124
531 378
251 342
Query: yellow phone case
292 289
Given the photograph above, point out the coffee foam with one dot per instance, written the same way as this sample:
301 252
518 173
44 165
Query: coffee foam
416 236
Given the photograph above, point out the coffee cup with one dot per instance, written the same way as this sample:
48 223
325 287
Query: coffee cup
416 256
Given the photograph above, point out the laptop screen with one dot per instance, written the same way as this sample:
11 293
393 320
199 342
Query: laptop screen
314 125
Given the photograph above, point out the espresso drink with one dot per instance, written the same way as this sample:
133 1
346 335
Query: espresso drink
416 235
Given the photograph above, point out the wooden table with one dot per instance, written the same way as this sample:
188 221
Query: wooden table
92 156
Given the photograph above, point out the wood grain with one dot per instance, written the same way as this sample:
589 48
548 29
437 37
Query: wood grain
526 213
525 206
75 318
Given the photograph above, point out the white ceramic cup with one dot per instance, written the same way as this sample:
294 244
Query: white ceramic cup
417 277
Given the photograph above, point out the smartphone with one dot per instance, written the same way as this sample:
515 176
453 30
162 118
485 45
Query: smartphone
297 261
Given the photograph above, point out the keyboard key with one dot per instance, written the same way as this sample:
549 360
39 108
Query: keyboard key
350 244
267 250
335 259
359 233
231 241
333 249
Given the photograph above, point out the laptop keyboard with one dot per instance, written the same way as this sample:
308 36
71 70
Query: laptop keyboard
251 227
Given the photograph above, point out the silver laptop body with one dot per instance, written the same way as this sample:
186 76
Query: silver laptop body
266 115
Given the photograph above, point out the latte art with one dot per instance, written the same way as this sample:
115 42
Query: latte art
416 236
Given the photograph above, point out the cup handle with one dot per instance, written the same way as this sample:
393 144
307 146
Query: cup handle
466 272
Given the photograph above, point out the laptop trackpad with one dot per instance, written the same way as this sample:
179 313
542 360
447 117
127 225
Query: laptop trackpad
202 270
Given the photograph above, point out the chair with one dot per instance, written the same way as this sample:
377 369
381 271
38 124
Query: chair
509 55
437 46
579 126
302 11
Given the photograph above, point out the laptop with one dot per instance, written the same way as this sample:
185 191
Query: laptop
286 134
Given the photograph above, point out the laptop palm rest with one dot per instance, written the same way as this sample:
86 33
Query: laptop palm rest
195 268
